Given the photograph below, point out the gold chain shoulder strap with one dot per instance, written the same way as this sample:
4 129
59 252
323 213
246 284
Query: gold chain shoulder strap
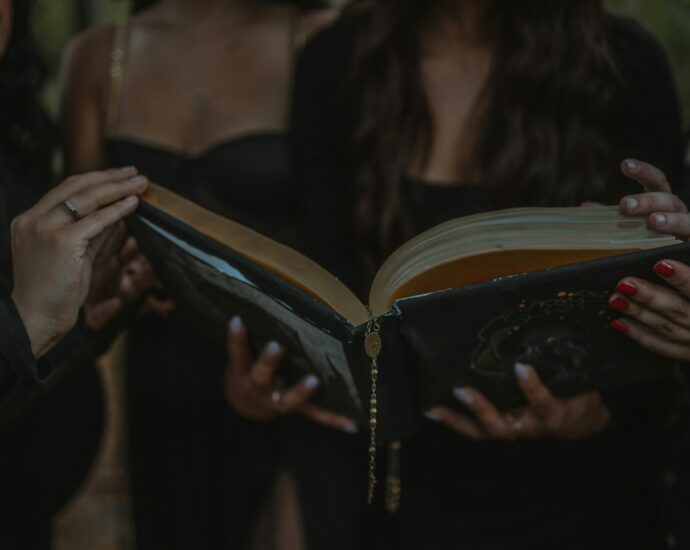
117 65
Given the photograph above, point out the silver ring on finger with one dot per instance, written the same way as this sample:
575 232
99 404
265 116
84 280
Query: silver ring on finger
277 400
72 209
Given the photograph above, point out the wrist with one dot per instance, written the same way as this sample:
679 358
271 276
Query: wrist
40 330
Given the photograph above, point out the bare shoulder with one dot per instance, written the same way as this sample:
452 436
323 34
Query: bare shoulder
86 60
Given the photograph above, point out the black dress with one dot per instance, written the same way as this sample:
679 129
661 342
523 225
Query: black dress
198 471
458 493
51 410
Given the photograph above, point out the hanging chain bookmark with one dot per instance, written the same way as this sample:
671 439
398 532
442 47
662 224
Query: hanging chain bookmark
372 346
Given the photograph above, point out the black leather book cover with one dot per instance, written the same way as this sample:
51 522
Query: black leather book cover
210 284
556 319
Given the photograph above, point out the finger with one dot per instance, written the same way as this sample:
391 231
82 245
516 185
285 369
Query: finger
651 340
73 185
491 421
529 424
540 399
102 281
650 203
92 225
129 251
92 198
675 273
650 177
238 347
663 301
154 306
98 316
110 245
458 422
651 319
300 393
670 223
264 370
327 418
137 277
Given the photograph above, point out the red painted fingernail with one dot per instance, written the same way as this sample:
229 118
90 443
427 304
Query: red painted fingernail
626 288
619 304
665 270
620 326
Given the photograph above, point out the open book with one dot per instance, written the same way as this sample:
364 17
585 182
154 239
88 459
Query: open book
458 305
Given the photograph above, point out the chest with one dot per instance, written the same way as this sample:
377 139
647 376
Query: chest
215 86
454 84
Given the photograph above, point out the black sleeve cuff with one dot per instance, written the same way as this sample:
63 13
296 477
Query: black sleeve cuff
15 345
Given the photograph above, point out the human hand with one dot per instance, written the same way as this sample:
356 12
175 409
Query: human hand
55 249
665 212
657 317
545 416
138 278
252 388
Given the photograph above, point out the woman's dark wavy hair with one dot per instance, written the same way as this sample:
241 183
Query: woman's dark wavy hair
139 5
26 132
541 137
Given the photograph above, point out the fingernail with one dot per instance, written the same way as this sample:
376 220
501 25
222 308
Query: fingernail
665 270
626 288
311 382
464 396
632 165
273 348
631 203
619 303
137 180
660 220
236 324
128 170
351 429
431 416
522 371
131 199
620 326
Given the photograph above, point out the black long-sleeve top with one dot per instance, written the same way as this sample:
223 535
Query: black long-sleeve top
456 492
23 378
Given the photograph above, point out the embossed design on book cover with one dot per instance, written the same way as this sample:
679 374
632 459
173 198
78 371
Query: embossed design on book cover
555 333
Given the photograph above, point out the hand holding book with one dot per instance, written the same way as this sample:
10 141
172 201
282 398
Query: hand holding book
253 389
657 317
545 416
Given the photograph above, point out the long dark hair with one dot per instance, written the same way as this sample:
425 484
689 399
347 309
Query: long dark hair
541 139
26 132
139 5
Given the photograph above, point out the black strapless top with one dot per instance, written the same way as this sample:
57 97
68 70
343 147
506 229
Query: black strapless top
246 178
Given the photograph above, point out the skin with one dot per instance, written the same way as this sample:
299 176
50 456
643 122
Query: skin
455 66
657 316
200 84
60 265
5 24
